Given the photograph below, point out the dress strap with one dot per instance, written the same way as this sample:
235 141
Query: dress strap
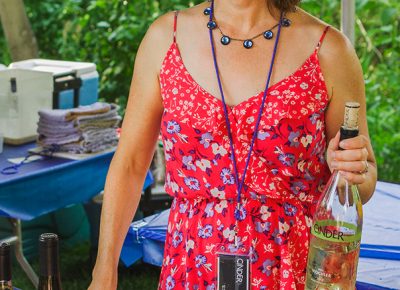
175 22
321 39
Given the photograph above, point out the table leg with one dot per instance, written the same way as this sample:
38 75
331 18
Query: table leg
16 225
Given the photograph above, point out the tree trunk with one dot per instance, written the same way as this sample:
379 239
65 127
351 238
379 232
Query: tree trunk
17 29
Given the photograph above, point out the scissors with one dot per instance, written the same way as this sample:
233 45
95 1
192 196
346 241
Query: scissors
13 169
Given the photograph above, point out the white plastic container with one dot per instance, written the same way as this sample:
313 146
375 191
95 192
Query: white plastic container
19 109
31 85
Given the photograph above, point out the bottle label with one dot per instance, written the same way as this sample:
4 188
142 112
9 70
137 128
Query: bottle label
336 231
332 265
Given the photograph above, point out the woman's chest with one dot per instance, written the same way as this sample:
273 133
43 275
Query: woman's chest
243 72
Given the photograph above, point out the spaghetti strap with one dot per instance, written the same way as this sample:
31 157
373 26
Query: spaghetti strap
321 39
175 22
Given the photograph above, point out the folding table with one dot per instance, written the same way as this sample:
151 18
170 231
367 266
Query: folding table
47 185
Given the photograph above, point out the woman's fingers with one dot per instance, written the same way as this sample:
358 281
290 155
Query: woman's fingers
351 155
351 166
354 178
332 147
334 143
357 142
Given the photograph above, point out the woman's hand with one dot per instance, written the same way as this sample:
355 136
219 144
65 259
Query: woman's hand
352 162
103 278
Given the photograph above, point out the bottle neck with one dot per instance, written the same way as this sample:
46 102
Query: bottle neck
49 283
5 268
49 261
346 133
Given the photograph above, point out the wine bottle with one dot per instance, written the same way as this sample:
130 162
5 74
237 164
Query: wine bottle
5 267
337 225
49 275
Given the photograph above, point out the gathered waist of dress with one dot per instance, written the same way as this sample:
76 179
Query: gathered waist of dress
256 206
231 197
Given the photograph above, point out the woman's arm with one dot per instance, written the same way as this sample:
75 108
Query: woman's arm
345 82
132 158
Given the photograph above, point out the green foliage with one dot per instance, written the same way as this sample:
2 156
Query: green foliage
4 55
378 47
108 32
105 32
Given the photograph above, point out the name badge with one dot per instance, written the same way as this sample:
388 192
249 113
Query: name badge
233 272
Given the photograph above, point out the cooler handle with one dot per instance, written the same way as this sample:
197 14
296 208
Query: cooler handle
65 83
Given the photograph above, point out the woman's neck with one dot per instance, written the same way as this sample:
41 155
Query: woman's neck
244 16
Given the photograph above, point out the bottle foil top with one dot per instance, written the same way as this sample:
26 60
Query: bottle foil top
48 239
4 249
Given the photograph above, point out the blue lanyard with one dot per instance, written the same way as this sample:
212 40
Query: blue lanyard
240 184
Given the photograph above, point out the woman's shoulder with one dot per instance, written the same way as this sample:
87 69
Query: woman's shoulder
334 41
337 56
160 34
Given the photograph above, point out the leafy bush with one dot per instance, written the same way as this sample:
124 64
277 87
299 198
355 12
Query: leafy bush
108 33
378 47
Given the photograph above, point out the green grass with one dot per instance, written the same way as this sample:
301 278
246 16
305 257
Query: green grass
76 272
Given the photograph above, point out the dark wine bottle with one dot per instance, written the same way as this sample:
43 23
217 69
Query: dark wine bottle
49 276
5 267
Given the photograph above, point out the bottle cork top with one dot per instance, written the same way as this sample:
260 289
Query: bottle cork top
351 115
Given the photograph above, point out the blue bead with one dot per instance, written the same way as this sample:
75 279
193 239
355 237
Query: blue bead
286 22
207 11
248 43
225 40
211 24
268 34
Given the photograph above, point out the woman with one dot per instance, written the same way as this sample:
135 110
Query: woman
175 89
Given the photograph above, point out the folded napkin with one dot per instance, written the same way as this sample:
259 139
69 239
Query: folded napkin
82 147
62 115
85 129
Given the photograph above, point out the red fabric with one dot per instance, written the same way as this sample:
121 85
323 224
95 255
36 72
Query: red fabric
286 175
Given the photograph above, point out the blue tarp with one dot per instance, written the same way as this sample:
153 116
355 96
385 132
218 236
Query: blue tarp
379 264
380 243
46 185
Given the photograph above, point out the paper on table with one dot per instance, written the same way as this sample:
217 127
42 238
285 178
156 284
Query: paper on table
31 158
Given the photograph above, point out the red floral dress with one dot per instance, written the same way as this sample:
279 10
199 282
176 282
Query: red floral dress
286 175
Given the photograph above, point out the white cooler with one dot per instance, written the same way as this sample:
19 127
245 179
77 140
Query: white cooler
31 85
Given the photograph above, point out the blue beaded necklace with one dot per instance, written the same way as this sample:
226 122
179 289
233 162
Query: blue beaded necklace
248 42
239 211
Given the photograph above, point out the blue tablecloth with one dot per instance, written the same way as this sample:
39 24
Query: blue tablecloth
46 185
379 264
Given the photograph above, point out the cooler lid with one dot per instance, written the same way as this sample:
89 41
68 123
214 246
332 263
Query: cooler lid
56 67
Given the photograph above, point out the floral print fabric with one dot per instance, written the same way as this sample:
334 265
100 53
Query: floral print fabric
286 175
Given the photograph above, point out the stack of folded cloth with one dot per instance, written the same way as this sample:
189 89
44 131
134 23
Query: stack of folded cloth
86 129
